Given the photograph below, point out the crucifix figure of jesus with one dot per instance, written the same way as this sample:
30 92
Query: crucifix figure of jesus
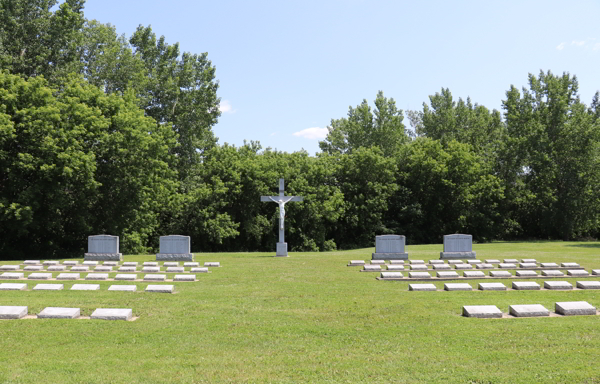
281 200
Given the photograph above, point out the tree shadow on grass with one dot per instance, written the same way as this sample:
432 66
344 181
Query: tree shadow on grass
596 245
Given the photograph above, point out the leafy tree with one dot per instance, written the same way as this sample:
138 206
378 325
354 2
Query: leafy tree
553 157
181 91
465 122
366 178
445 190
77 162
36 41
382 128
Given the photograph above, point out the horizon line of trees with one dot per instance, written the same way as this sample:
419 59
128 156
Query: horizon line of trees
104 134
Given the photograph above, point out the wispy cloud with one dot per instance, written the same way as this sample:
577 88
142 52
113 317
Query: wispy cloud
312 133
596 46
274 133
561 46
578 43
225 107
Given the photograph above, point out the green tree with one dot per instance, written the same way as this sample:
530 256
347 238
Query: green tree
552 157
465 122
36 41
366 179
382 128
180 91
442 190
77 162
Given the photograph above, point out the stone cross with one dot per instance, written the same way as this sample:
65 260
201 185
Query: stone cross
281 200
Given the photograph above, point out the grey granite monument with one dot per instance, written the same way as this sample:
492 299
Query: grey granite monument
103 247
389 247
174 248
458 247
281 200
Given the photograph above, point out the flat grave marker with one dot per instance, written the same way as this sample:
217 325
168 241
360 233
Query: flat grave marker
68 276
85 287
473 274
126 288
419 275
13 287
97 276
13 275
9 312
528 310
526 286
392 275
552 272
49 287
558 285
39 276
422 287
588 284
184 278
112 314
457 287
492 287
577 272
482 311
152 277
160 288
574 308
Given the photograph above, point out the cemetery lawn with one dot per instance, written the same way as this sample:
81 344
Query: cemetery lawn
307 319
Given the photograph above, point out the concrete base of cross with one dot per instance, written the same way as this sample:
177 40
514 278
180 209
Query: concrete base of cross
281 250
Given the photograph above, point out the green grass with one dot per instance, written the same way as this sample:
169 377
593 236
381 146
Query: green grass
304 319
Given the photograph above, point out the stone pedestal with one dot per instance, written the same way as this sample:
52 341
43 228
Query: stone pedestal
281 250
174 248
103 247
458 247
389 247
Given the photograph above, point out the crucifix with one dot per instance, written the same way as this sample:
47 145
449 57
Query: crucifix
281 200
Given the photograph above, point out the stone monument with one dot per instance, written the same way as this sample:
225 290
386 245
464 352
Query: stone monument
103 247
174 248
281 200
458 247
389 247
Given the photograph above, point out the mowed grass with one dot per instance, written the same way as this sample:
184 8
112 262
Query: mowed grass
307 319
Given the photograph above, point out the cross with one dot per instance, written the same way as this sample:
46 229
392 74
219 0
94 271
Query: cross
281 200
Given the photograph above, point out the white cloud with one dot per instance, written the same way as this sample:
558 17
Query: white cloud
312 133
561 46
596 46
225 107
578 43
274 133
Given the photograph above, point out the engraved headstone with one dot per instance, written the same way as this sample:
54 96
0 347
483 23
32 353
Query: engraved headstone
458 247
103 247
389 247
174 248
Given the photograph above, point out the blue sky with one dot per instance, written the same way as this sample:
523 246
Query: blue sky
286 68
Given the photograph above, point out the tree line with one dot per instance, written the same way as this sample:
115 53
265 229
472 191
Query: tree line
100 133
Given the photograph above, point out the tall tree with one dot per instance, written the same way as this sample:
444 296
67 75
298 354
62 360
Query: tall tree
553 150
35 41
181 91
465 122
77 162
382 128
